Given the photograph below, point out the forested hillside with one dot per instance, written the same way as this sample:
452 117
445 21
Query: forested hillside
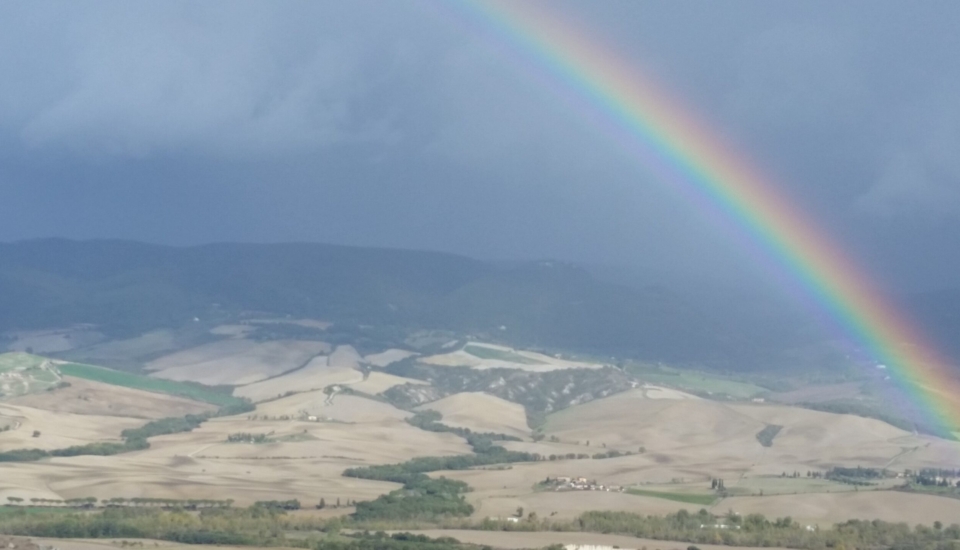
128 287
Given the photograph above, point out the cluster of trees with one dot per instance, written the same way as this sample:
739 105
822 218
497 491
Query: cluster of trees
271 457
856 476
568 456
323 503
85 502
936 472
228 526
934 481
430 421
134 439
583 456
266 526
292 504
421 496
23 455
485 455
164 426
168 503
858 472
757 530
90 502
244 437
936 477
396 541
282 417
611 454
766 435
539 392
104 448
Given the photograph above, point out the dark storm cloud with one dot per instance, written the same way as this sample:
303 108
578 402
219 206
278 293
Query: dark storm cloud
397 124
143 79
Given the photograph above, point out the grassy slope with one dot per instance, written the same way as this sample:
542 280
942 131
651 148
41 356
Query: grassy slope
696 382
198 392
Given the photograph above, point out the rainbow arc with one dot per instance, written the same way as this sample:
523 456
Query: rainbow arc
651 124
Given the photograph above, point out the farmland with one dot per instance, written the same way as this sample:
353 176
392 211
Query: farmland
689 498
661 445
198 392
235 361
481 412
88 397
486 352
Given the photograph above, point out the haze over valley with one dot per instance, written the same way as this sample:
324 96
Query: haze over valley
184 389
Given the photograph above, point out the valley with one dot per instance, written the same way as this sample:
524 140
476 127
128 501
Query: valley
310 410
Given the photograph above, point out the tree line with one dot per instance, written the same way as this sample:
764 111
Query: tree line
267 526
134 439
244 437
91 502
421 496
292 504
261 526
757 530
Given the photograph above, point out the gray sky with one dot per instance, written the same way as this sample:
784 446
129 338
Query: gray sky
400 124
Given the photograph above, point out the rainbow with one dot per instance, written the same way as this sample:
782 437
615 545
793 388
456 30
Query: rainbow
651 125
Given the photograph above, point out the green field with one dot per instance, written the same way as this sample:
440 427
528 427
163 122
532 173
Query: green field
696 382
190 390
689 498
484 352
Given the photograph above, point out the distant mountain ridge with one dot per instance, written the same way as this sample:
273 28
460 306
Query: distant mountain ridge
129 287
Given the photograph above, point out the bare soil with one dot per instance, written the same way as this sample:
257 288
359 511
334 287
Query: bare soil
97 398
481 412
236 362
